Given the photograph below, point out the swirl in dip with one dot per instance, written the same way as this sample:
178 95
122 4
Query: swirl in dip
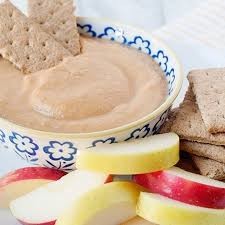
106 86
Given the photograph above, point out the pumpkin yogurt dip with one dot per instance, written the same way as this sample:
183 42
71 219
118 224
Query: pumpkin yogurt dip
106 86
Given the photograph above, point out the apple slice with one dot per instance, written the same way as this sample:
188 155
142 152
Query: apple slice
140 156
109 204
185 187
45 204
162 210
25 180
137 221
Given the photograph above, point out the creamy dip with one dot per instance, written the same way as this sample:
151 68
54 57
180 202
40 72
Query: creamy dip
106 86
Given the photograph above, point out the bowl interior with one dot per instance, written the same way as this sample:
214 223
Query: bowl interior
140 40
58 150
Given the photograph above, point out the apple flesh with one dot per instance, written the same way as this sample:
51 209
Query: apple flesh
150 154
185 187
110 204
162 210
25 180
137 221
43 205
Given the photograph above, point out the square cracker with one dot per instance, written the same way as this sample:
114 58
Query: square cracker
57 18
189 125
186 163
25 44
214 152
209 89
166 127
210 168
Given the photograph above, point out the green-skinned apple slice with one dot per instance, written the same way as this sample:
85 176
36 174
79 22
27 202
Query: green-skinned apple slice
150 154
110 204
162 210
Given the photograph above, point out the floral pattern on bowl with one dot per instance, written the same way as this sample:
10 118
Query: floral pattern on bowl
86 29
23 144
59 150
141 44
140 132
110 140
2 136
172 77
161 59
113 34
62 153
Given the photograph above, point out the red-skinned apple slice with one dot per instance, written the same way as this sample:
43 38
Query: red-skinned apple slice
45 204
49 223
185 187
25 180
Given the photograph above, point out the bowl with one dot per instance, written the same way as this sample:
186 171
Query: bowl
58 150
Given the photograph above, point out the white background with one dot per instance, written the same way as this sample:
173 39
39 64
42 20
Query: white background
148 14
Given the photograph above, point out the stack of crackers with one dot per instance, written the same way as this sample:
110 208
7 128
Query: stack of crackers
200 122
41 40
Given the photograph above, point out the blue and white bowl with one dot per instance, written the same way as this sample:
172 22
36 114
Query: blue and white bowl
58 150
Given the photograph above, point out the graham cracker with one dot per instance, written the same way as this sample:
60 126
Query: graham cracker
189 125
210 168
209 89
57 18
186 163
166 127
25 44
214 152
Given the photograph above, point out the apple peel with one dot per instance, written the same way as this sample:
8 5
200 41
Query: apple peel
24 180
43 205
150 154
162 210
185 187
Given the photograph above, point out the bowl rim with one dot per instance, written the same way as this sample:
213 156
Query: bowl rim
163 107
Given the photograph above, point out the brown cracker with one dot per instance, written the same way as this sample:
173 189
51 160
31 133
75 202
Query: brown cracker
209 89
166 127
186 163
190 126
210 168
24 43
57 18
214 152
